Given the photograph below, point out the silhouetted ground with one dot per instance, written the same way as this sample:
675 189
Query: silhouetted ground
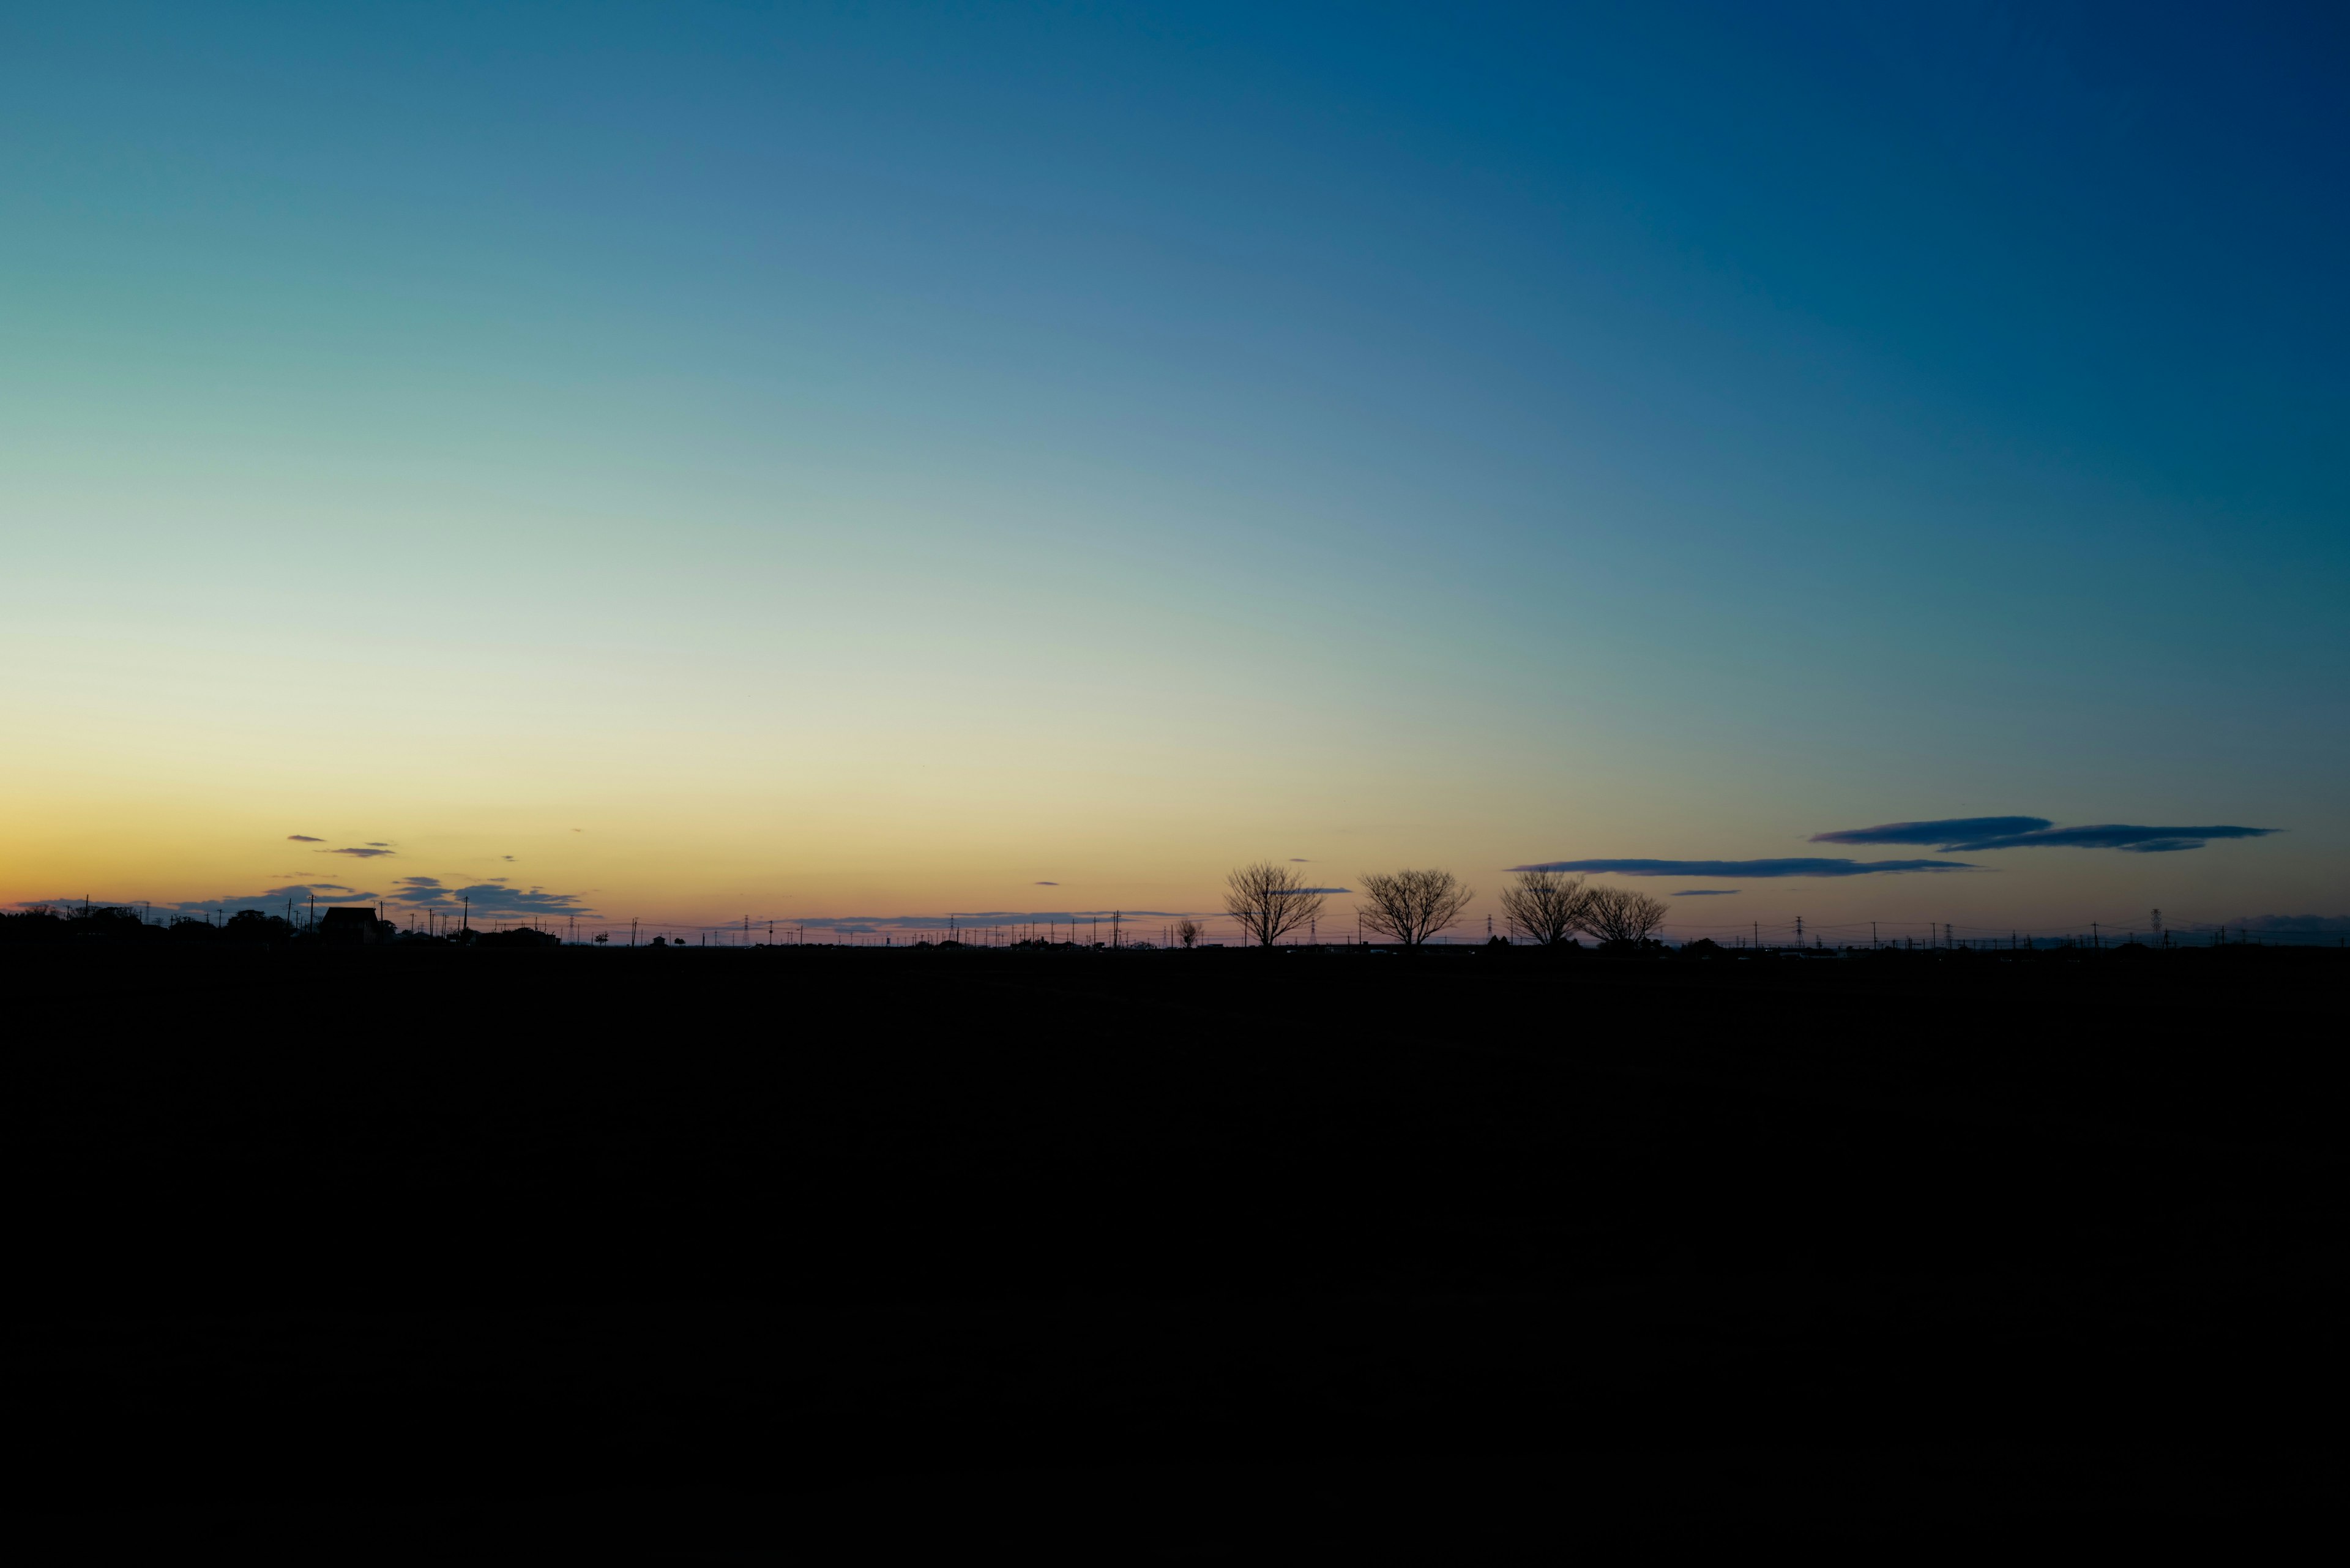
817 1255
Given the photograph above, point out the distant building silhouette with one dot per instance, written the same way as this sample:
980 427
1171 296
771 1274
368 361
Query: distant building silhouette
352 926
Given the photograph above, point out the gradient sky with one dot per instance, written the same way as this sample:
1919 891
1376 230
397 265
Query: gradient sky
810 460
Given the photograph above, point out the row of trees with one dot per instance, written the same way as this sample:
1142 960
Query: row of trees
1272 901
119 923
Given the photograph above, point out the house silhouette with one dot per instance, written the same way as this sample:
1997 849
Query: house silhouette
351 925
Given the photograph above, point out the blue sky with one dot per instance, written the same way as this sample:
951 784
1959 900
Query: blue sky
1139 438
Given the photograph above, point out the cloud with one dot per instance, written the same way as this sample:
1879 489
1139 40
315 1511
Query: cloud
1973 835
272 901
1326 890
377 844
506 856
975 919
304 838
1044 884
1948 832
1299 860
2123 837
1794 868
2321 929
369 852
1707 893
490 898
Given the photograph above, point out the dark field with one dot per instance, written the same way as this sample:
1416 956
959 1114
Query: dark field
816 1254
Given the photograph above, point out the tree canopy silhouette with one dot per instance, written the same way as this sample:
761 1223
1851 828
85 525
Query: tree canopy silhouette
1410 907
1548 906
1621 915
1270 901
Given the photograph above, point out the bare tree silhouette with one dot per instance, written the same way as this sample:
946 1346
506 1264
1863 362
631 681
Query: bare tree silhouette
1548 906
1187 933
1621 915
1410 907
1269 900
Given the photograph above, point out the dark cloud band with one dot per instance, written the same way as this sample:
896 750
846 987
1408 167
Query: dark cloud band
974 920
1799 867
274 901
1970 835
1949 831
2123 837
489 898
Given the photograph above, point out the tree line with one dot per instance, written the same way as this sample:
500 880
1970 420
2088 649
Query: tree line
1272 901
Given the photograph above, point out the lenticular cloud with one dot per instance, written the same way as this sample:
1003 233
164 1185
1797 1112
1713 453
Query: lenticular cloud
1950 832
1970 835
1797 867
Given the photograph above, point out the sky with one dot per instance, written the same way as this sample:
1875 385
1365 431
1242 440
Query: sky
691 461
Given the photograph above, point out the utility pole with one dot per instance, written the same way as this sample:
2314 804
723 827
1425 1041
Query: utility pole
2161 941
1799 930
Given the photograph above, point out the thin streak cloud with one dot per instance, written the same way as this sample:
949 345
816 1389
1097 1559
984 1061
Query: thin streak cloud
1748 868
972 920
1948 832
1969 834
